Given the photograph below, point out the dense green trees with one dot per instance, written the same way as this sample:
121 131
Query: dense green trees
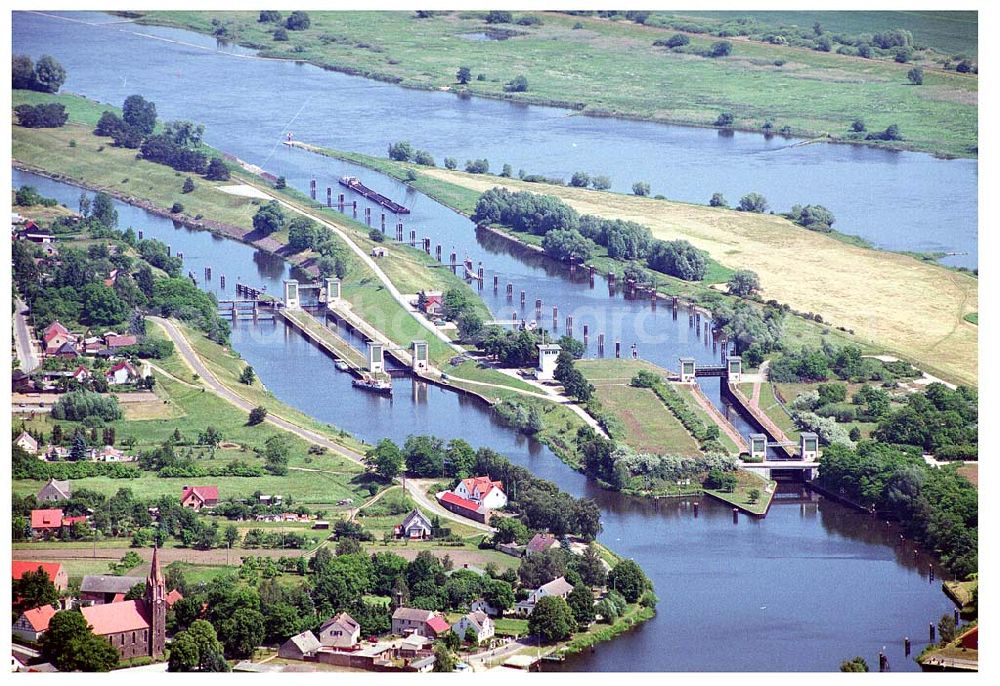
743 283
627 578
624 240
297 21
47 75
572 379
932 420
303 233
567 245
424 455
640 188
385 460
677 258
78 405
464 75
269 218
70 645
551 620
44 116
815 217
717 200
937 506
753 202
140 114
217 170
197 648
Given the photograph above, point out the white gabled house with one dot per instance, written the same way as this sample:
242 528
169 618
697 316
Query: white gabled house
482 490
557 587
479 622
121 373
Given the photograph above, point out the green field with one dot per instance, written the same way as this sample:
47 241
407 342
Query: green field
948 32
649 426
612 69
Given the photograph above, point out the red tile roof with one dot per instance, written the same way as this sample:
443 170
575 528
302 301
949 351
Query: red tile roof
19 568
173 597
483 484
438 625
121 365
39 617
119 341
541 542
70 521
113 618
459 501
46 519
204 493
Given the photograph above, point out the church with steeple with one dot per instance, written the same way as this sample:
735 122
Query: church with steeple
136 628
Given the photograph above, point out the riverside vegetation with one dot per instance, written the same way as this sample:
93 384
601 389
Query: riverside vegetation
608 66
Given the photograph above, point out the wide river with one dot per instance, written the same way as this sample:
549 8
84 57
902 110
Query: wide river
802 589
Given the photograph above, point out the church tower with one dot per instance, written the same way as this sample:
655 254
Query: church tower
156 602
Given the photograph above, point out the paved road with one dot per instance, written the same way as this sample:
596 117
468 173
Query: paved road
22 338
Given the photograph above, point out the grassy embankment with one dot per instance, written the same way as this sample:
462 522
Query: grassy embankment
608 68
740 497
891 302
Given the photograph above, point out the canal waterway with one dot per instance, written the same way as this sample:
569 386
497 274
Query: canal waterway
811 584
896 200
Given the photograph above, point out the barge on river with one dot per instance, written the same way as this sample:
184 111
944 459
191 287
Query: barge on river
370 383
355 185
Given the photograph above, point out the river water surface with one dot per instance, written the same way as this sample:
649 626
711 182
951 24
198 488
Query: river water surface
802 589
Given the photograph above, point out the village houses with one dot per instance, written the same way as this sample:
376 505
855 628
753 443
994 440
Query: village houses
54 570
27 443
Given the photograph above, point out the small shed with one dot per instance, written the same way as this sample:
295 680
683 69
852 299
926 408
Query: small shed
300 647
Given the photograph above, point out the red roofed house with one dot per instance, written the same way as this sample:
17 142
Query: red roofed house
461 506
53 570
113 341
408 620
81 374
482 489
430 302
46 522
33 623
197 497
539 543
55 336
121 373
173 597
134 627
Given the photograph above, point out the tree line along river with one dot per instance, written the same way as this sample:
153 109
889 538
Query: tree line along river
804 588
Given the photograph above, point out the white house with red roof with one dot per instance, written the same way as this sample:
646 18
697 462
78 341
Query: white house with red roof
121 373
197 497
81 374
482 490
33 623
55 336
